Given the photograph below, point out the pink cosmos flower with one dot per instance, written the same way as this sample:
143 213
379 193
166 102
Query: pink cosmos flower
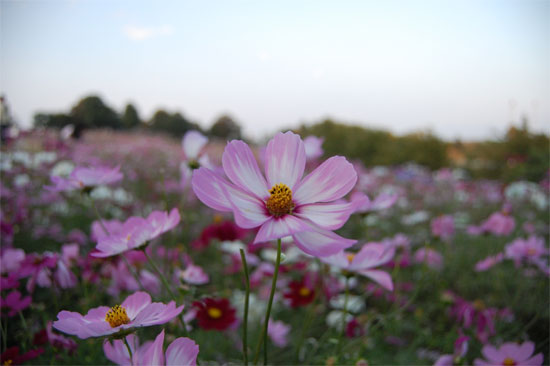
382 202
82 178
11 259
429 256
530 249
488 262
313 146
136 232
182 351
370 256
461 347
194 275
443 227
278 332
282 204
15 302
135 312
499 224
193 143
510 354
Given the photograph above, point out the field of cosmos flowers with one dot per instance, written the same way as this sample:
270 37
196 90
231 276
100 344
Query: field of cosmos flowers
124 248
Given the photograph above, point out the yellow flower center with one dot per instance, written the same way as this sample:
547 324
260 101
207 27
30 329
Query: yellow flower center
531 251
117 316
350 257
304 291
509 362
8 362
479 305
128 237
214 313
280 202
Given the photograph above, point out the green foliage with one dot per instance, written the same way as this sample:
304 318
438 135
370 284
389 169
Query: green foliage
378 147
174 124
226 128
130 118
91 112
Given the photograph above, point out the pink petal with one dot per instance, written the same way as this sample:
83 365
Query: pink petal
209 188
380 277
525 351
372 255
330 181
320 242
135 303
192 144
117 352
276 228
445 360
339 260
240 166
492 355
480 362
249 211
182 351
157 313
285 159
330 216
536 360
154 354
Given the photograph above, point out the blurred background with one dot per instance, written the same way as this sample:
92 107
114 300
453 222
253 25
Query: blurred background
440 83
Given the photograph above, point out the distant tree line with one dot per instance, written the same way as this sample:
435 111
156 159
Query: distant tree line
519 154
91 113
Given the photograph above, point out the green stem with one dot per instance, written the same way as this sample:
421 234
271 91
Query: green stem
266 322
344 313
166 285
129 350
245 322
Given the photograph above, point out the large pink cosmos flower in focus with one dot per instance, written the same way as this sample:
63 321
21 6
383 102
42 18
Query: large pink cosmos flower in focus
135 312
282 203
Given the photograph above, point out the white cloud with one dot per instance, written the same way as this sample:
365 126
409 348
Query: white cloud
136 33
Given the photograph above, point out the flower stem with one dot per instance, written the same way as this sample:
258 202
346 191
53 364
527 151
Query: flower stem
266 322
245 322
129 350
344 313
166 285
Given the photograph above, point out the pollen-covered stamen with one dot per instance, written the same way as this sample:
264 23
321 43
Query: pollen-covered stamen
304 291
350 257
117 316
509 362
214 313
280 202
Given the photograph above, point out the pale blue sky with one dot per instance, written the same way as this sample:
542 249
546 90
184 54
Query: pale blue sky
450 66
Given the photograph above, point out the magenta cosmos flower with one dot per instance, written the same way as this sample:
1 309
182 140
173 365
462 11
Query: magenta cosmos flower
282 203
370 256
182 351
135 312
510 354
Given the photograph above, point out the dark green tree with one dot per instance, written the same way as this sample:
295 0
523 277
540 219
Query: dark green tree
226 128
130 118
91 112
174 124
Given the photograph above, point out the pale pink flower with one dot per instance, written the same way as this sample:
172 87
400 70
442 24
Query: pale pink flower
182 351
530 249
194 275
135 233
510 354
82 178
443 227
382 202
135 312
370 256
11 259
192 144
430 257
313 146
489 262
499 224
278 332
282 203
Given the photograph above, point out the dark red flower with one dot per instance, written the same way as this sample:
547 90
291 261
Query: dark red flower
223 231
215 314
300 293
354 329
12 357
